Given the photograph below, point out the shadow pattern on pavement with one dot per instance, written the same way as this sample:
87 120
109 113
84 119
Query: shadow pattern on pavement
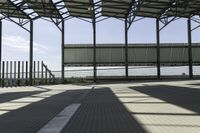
31 118
5 97
102 112
187 98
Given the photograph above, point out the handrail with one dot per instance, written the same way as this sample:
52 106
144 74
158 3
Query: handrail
15 73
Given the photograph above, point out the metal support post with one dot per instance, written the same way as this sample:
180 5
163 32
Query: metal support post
26 72
190 49
11 74
158 47
18 74
31 53
42 72
62 51
0 46
94 45
7 80
3 74
15 71
34 68
126 49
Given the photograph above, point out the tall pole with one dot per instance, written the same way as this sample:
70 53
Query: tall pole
190 48
126 48
94 45
0 45
1 40
158 47
31 53
62 51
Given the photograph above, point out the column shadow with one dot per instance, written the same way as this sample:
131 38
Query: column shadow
184 97
102 112
5 97
32 117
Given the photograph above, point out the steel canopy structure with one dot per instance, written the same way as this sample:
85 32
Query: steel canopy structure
23 12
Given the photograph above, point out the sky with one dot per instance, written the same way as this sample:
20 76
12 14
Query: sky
47 37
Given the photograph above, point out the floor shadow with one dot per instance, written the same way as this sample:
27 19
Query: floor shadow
31 118
42 88
5 97
102 112
196 84
187 98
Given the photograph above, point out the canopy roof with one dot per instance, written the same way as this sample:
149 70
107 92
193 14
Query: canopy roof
44 8
110 8
8 9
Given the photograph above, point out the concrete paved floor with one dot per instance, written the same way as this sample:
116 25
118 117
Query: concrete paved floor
129 107
33 107
162 107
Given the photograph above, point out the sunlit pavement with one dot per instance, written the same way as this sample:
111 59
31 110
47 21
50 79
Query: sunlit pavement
129 107
27 109
162 107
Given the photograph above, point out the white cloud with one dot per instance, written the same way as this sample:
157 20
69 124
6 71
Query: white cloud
22 44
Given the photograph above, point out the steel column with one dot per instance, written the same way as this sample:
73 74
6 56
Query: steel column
31 53
190 48
62 51
0 46
1 40
158 47
94 47
126 49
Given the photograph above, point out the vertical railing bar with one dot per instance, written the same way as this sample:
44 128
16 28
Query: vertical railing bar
7 80
34 73
15 72
45 74
49 75
18 73
3 69
26 72
42 65
11 79
38 69
22 73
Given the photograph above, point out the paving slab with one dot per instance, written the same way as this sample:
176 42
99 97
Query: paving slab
102 112
30 113
162 107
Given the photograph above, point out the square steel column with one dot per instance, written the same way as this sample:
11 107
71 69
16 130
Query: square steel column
0 46
62 51
94 45
31 54
126 49
158 47
190 49
0 41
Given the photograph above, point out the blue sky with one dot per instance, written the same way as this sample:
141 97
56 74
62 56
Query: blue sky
47 38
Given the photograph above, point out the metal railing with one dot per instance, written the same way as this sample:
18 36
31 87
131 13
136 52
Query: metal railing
16 73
